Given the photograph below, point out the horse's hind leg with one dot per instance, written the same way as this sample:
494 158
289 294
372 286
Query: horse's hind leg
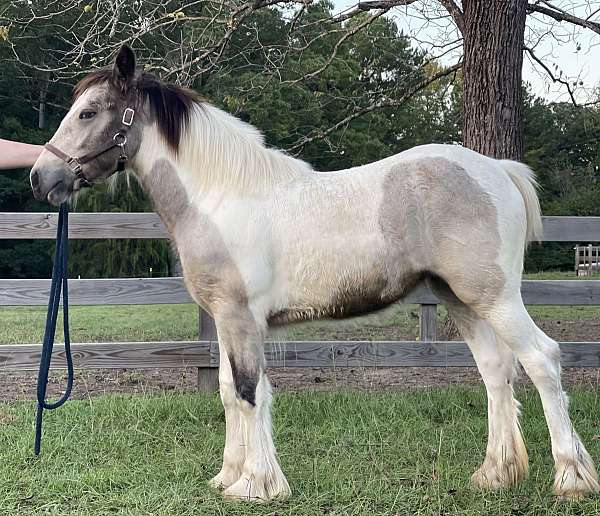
506 460
540 357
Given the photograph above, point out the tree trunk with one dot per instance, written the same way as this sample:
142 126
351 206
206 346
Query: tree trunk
493 32
175 268
42 109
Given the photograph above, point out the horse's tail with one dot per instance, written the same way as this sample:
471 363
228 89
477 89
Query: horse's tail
524 179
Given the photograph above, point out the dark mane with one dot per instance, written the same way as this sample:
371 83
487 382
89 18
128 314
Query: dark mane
170 105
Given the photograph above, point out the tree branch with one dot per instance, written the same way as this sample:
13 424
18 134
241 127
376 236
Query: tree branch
551 75
370 5
562 16
455 12
383 103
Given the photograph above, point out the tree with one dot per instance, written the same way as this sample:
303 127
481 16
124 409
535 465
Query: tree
493 34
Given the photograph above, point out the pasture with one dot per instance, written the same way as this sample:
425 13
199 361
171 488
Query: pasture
344 453
232 165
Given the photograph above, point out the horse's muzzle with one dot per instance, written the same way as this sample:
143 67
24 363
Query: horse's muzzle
53 185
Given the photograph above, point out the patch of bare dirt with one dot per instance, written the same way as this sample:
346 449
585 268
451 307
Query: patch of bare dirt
572 331
22 385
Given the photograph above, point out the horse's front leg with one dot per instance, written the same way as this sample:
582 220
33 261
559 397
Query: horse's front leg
261 478
234 454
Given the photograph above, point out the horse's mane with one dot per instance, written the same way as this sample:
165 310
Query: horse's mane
216 148
171 105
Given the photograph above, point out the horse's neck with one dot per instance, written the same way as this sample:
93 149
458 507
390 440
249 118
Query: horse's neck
219 158
164 187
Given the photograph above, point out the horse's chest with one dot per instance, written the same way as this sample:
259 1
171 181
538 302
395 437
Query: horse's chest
211 274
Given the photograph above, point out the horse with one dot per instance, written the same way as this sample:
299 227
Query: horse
266 240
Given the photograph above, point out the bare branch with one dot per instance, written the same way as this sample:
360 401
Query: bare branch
380 104
563 16
552 76
361 7
455 12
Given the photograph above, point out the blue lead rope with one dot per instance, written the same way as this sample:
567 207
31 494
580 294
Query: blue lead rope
59 281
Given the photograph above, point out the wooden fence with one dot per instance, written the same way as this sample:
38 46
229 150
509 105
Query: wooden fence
587 260
203 353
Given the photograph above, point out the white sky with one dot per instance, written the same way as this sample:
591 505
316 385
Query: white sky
556 44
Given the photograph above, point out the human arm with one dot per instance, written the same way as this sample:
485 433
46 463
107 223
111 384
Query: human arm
18 155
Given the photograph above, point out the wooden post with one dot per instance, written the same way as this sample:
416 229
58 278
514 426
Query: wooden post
208 377
428 323
576 260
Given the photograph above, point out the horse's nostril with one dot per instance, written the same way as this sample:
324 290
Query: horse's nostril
35 179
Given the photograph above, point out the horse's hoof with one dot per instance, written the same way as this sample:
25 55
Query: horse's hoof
499 476
224 479
251 489
576 480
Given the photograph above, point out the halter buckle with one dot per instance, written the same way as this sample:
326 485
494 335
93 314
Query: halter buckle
75 165
120 139
128 115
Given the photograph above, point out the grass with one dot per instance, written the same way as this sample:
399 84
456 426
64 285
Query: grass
556 275
104 323
343 453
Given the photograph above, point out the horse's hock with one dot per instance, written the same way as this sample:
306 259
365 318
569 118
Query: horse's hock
203 354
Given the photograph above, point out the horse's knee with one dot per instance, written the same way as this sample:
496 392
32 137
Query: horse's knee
227 392
245 380
241 340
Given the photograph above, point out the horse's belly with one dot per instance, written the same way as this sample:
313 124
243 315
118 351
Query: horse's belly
351 295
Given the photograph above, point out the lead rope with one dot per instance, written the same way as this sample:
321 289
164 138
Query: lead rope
59 281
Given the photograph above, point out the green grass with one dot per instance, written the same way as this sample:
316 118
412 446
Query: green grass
343 453
24 325
556 275
19 325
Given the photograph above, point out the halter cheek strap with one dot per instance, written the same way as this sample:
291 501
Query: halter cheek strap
118 140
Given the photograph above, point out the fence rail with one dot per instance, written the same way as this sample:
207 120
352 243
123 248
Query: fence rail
203 353
87 226
199 354
156 291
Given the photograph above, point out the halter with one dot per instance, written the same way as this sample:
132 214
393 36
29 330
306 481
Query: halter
118 140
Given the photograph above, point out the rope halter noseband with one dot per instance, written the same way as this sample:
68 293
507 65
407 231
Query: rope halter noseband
118 140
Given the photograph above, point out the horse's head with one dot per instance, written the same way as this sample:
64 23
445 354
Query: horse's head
101 131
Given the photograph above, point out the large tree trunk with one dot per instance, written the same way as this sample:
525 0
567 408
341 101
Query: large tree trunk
493 32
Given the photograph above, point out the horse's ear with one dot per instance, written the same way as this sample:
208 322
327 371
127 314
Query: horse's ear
124 68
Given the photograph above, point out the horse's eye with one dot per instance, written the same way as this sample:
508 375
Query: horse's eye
84 115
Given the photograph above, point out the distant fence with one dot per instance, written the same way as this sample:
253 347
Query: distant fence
587 260
203 354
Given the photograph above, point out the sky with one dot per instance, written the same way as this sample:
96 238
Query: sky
556 44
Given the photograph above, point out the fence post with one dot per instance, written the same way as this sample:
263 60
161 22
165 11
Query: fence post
208 377
428 323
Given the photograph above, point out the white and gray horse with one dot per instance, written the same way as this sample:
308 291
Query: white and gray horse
264 239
